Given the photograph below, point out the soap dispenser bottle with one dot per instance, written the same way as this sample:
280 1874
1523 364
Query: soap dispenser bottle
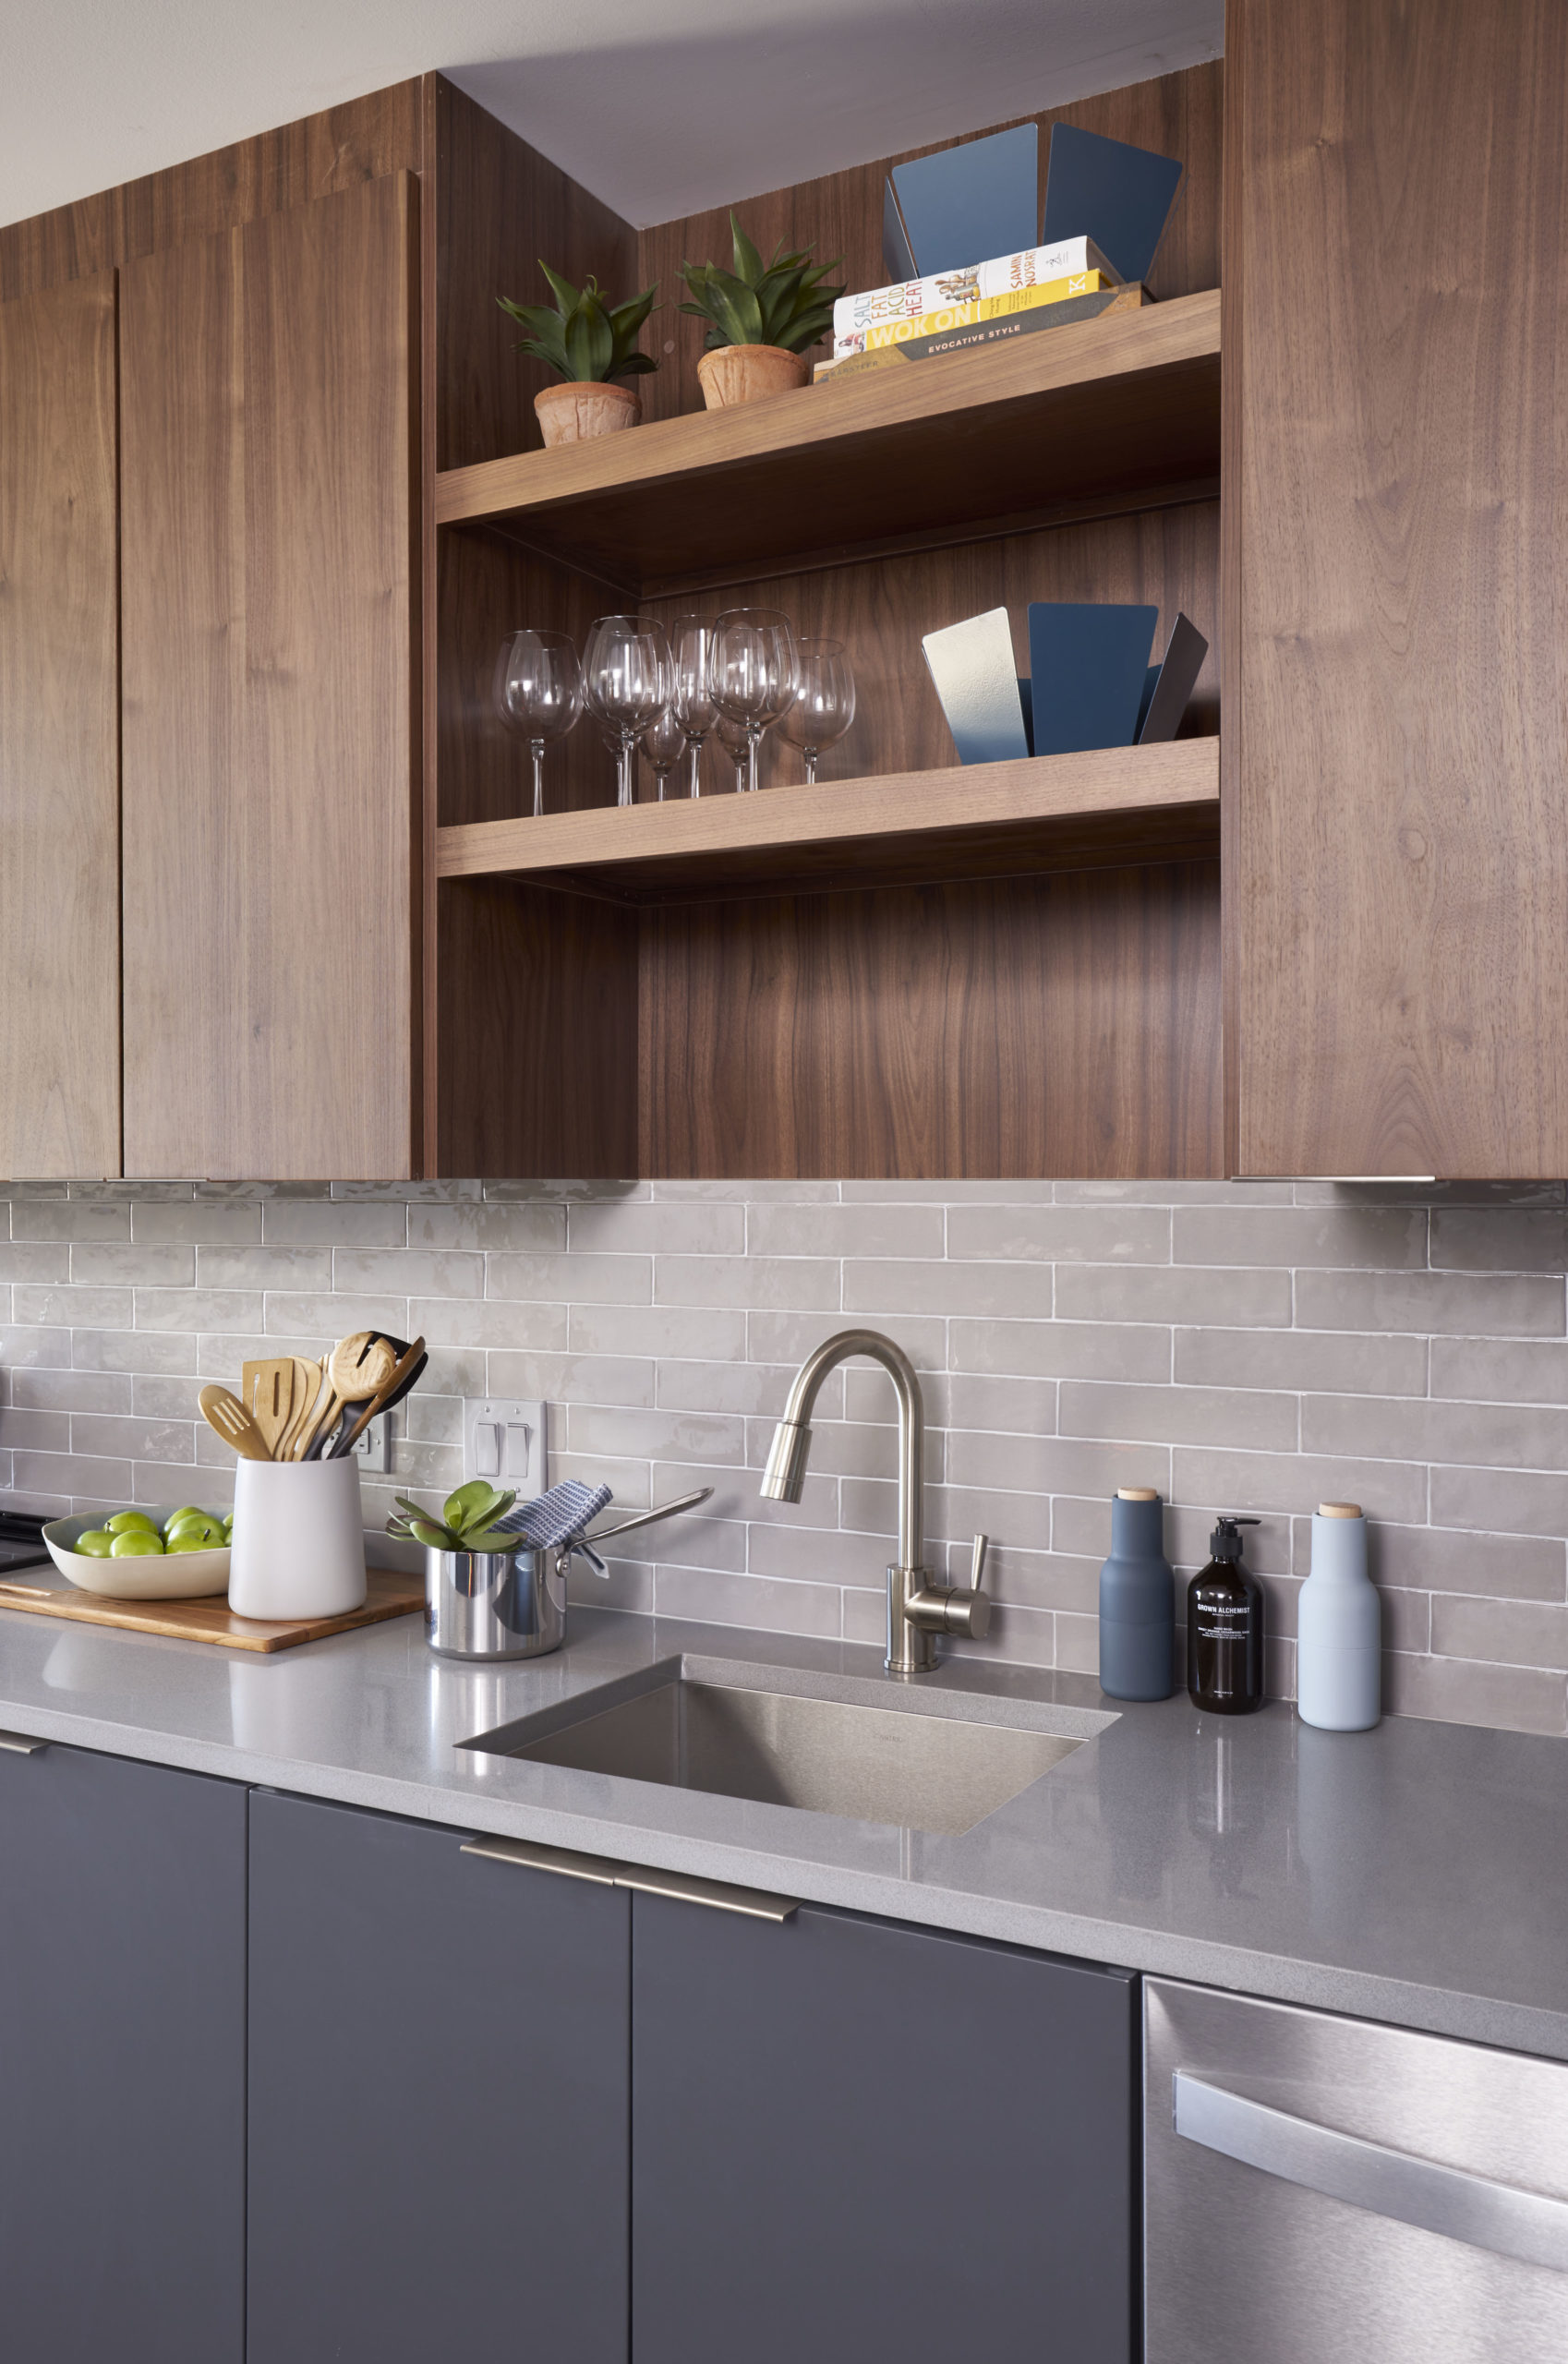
1137 1600
1225 1628
1339 1627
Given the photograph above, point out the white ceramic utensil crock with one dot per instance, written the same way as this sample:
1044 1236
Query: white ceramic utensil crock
299 1539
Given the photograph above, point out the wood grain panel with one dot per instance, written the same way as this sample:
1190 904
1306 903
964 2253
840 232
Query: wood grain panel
59 745
389 1593
500 206
1059 811
1024 1027
335 149
1399 898
1179 115
1126 402
539 1033
270 696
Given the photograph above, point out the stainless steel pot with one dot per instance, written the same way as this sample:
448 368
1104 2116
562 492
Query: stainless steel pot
512 1604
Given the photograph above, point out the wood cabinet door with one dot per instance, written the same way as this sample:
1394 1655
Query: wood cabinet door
1395 605
854 2139
59 746
122 2062
269 450
439 2095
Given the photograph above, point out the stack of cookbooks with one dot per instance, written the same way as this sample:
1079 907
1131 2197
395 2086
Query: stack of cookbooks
951 310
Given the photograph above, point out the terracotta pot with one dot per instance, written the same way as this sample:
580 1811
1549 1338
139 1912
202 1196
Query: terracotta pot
743 373
570 414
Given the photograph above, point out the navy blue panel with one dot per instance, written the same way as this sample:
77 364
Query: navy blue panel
1173 683
1088 664
1120 197
972 666
896 259
973 203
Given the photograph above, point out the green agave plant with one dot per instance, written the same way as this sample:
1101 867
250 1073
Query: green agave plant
584 338
782 303
467 1522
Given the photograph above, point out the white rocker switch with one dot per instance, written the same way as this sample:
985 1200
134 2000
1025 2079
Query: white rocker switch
506 1442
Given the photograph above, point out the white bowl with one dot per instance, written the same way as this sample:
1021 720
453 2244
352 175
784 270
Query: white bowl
179 1575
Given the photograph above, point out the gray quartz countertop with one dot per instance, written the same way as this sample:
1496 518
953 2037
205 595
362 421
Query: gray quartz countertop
1417 1873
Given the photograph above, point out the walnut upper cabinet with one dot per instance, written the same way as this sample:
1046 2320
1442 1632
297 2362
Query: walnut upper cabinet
270 679
1396 657
59 808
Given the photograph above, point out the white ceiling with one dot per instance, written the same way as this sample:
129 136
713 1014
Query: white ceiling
660 106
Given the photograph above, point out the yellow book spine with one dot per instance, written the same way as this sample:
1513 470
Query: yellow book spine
988 308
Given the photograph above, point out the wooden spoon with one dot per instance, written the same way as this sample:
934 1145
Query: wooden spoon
407 1364
267 1391
222 1409
309 1380
357 1367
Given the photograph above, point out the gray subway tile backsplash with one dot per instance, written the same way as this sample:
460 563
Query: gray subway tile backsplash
1254 1346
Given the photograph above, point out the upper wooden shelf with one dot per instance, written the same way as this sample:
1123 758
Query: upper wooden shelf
1115 806
1123 405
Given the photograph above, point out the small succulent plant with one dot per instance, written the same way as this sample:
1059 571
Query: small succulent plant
586 339
467 1521
782 303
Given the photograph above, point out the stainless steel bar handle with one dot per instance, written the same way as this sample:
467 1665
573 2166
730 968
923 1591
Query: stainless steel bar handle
1501 2217
755 1903
18 1744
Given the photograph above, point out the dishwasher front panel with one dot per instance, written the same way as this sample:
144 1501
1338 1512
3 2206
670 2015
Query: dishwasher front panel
1342 2192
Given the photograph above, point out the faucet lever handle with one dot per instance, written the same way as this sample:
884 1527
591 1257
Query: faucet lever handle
977 1565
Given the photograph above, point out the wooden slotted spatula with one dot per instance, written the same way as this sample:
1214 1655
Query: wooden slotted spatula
222 1409
267 1391
309 1377
358 1367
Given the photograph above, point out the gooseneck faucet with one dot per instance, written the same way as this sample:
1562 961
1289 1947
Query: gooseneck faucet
917 1609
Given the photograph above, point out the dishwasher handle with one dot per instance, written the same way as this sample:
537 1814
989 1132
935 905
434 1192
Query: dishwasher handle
1526 2225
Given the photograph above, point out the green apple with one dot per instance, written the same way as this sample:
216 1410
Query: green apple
124 1522
178 1518
198 1523
136 1543
96 1544
189 1539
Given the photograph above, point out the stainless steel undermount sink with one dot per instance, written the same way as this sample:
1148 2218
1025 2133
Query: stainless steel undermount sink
822 1744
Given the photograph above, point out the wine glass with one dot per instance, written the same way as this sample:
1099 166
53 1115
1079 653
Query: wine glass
664 744
825 701
539 692
751 674
736 743
627 683
691 639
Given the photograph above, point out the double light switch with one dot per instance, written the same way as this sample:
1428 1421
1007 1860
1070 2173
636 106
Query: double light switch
505 1440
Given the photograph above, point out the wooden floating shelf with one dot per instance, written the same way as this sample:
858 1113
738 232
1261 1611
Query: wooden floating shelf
1124 406
1115 806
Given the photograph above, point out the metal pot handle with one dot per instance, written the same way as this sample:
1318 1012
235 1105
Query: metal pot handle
588 1544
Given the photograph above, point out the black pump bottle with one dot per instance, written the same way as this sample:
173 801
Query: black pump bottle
1225 1628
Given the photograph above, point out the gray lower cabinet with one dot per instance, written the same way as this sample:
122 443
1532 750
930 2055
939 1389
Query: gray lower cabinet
852 2139
439 2093
122 2062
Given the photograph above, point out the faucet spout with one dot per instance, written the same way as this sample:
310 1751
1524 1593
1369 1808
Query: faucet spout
917 1611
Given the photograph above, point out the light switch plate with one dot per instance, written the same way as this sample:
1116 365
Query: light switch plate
507 1442
372 1447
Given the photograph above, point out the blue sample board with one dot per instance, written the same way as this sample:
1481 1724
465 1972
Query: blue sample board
976 203
972 666
1119 196
1088 666
1172 682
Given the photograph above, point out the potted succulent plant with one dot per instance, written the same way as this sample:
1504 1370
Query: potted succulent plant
761 318
592 344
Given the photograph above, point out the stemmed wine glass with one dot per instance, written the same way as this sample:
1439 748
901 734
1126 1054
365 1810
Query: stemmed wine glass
627 683
538 689
664 744
733 737
691 640
825 701
751 674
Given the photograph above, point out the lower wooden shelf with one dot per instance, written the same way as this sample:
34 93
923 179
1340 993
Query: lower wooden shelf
1113 806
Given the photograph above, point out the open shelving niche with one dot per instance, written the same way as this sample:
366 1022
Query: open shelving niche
914 969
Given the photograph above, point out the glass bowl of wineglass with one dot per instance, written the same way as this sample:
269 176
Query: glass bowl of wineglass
663 744
751 673
825 701
628 681
691 642
538 692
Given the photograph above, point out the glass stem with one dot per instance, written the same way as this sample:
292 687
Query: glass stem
810 755
694 782
623 789
536 749
754 740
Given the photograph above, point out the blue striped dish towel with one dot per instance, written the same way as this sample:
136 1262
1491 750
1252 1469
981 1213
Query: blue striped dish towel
557 1516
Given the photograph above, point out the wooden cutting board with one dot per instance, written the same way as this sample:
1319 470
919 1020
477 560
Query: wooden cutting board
46 1593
